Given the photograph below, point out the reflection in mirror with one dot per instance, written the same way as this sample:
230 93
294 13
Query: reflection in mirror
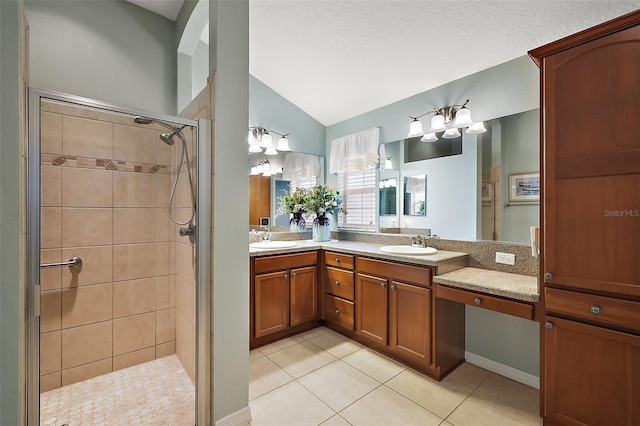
282 189
510 146
415 195
388 193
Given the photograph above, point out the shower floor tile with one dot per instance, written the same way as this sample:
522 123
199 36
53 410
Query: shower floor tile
158 392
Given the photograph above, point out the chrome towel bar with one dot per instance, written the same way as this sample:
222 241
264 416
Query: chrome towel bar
74 262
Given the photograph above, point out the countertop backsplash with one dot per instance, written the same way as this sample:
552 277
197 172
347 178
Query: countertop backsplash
482 254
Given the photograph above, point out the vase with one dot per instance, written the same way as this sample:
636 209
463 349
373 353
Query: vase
297 223
321 228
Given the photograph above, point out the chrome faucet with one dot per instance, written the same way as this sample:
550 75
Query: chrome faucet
265 236
417 241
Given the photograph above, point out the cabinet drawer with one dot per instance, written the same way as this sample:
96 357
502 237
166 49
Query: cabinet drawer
338 312
339 283
623 313
286 261
481 300
338 259
400 272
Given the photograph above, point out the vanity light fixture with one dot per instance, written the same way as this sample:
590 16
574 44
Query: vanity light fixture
447 119
388 164
260 138
264 168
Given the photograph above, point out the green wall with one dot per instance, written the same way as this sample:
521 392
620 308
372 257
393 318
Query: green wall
229 57
111 51
10 214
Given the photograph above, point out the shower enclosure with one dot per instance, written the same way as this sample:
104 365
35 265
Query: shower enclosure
115 263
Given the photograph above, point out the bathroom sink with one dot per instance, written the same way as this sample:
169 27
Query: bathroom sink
406 249
270 245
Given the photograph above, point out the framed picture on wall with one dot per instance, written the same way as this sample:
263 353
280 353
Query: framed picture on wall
524 187
487 193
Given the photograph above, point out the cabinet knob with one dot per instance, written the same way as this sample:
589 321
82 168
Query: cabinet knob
337 312
595 309
285 276
293 274
478 301
393 287
549 324
337 260
383 285
338 283
548 276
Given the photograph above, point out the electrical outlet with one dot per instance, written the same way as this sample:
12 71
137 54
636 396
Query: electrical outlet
506 258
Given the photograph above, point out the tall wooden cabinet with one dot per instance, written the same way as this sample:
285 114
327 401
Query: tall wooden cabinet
590 219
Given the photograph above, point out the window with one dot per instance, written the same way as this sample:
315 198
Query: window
303 183
358 189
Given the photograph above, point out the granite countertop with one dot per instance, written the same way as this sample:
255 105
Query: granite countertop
513 286
444 260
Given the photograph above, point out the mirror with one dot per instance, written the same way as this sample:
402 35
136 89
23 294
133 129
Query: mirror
510 147
415 195
388 192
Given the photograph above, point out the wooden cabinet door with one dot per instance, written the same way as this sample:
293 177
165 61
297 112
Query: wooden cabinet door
371 308
591 167
271 303
304 295
410 321
591 376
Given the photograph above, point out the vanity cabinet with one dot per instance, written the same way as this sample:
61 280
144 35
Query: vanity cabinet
339 307
284 296
395 314
590 223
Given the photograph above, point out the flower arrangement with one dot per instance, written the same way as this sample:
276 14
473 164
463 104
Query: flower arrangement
323 200
294 203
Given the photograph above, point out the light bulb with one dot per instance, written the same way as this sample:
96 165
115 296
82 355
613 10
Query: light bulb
437 124
255 148
415 128
388 164
476 128
429 137
451 133
254 171
463 118
283 144
250 138
270 151
266 173
267 141
266 166
259 168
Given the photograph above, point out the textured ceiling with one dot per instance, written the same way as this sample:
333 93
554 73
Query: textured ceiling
167 8
339 59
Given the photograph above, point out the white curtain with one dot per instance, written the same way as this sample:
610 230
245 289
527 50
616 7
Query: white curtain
298 165
358 151
415 185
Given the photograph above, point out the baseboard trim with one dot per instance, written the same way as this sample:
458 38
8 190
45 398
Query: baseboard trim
503 370
239 418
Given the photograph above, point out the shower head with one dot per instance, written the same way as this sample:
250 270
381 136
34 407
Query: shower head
147 120
142 120
167 138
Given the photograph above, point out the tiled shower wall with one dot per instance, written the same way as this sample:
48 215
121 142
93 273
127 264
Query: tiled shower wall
106 183
200 107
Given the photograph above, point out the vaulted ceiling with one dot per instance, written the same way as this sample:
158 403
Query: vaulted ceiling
338 59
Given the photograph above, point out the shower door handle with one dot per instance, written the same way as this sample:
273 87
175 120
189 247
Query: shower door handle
74 262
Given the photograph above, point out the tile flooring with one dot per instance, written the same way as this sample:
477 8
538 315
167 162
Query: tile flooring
155 393
322 378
